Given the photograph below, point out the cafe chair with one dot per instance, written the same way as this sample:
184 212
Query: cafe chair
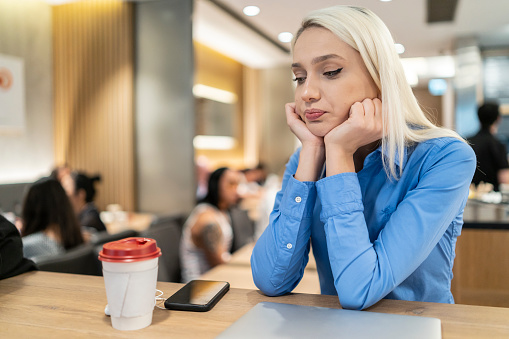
243 228
166 232
79 260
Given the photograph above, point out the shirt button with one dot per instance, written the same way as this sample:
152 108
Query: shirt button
298 199
289 246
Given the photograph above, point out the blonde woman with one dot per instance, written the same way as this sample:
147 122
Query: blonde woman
376 188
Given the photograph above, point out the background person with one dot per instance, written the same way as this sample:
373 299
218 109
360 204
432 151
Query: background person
59 172
207 234
49 225
80 189
492 165
12 261
374 214
202 176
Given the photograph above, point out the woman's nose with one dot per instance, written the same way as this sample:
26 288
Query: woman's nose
310 91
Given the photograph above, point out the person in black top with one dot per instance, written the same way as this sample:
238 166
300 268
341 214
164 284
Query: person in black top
12 261
492 165
81 191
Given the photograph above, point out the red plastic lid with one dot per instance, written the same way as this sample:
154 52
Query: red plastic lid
130 250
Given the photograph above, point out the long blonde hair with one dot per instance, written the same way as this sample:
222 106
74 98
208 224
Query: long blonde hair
404 122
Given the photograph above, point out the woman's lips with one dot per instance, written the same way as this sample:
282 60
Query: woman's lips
313 114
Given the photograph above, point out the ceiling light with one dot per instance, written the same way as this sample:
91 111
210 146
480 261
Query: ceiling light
400 48
213 142
285 37
245 46
215 94
385 0
251 10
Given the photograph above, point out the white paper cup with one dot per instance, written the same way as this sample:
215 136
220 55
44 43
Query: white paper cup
130 276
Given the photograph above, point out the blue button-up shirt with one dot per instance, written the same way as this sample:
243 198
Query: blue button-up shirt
372 236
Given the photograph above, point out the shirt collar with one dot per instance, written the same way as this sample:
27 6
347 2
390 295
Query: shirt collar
373 156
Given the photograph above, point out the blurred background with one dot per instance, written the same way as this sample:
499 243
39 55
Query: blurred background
137 90
123 88
151 93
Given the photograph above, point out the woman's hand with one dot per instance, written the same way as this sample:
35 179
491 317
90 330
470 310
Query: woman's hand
299 128
312 154
363 126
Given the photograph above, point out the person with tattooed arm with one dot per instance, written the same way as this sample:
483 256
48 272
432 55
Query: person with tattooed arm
207 234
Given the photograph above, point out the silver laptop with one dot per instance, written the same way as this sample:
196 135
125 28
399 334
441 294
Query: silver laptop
274 320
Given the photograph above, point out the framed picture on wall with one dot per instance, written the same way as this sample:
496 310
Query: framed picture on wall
215 118
12 95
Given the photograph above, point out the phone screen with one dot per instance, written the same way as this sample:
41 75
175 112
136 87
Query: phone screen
197 295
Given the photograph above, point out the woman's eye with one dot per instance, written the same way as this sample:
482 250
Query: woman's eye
299 80
331 74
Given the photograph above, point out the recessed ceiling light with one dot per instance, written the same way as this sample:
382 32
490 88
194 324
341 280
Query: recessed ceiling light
385 0
400 48
285 37
251 10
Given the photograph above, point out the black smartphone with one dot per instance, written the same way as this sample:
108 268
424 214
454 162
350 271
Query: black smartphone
197 295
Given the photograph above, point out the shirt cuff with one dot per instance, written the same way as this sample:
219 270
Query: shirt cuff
339 194
298 199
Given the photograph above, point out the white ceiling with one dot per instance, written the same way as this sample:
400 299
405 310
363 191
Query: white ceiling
488 20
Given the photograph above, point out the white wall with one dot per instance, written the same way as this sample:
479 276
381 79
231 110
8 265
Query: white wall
25 32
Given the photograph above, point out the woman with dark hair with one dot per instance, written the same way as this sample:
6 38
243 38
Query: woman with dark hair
207 234
49 225
81 191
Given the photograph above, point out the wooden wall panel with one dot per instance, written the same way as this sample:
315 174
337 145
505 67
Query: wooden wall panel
481 268
93 94
431 105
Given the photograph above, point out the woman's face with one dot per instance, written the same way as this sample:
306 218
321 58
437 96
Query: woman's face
77 199
228 185
330 77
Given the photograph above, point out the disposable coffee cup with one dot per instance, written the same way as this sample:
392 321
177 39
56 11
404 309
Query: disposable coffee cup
130 276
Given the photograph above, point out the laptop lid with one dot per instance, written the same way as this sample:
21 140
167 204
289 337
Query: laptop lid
275 320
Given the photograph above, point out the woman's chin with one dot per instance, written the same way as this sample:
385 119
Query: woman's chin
319 130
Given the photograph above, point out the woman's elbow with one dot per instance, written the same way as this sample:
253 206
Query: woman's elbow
357 294
265 286
351 304
263 282
353 301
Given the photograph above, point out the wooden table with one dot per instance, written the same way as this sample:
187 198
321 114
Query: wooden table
134 221
58 305
238 272
241 277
